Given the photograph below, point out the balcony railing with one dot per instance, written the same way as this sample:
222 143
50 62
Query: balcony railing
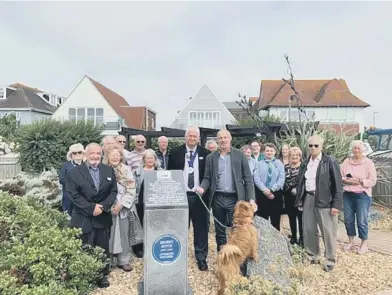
109 122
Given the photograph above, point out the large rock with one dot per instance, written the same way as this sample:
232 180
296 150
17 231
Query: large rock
275 259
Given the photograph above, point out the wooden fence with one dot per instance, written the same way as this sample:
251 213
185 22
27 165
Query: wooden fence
9 166
383 189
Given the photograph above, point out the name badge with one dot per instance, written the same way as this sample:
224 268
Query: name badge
190 170
109 179
201 158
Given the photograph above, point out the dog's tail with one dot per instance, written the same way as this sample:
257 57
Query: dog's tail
229 254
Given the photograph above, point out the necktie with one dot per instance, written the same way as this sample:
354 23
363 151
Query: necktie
191 176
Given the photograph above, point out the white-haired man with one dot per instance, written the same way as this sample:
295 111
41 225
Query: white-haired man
190 158
162 153
92 188
107 141
320 196
134 158
122 141
228 179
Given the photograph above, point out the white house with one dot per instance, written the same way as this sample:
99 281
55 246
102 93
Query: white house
328 101
91 100
203 110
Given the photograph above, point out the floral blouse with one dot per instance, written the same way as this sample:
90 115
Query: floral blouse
292 175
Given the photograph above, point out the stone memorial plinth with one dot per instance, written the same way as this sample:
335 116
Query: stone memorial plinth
165 234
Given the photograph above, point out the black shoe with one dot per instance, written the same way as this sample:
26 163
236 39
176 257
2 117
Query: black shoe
104 282
301 243
293 241
328 267
139 254
202 265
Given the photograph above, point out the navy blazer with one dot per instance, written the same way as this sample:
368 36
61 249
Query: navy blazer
84 196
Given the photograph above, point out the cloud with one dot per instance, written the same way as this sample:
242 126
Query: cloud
155 52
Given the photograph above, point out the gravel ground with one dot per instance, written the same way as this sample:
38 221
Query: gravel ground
354 274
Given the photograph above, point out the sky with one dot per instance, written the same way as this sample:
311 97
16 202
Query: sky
159 54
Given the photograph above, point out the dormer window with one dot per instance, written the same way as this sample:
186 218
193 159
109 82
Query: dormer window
46 97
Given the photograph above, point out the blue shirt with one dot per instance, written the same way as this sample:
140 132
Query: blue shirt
225 177
252 165
277 179
94 172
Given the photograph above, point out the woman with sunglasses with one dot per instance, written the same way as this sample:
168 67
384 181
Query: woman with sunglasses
75 157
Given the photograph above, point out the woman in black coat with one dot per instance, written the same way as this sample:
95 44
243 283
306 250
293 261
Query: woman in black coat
75 157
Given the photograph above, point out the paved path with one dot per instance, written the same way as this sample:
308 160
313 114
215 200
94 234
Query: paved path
378 241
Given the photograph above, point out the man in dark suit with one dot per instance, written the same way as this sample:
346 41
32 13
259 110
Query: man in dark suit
92 188
228 179
190 158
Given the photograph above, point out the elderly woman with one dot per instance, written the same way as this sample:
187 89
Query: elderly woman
123 209
269 179
359 176
246 149
75 157
290 193
150 162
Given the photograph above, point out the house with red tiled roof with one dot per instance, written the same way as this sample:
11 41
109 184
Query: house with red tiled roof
92 101
328 101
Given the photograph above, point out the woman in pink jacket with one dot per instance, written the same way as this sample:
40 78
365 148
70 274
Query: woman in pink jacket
359 176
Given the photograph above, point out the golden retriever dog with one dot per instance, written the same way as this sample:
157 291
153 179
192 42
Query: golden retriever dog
242 244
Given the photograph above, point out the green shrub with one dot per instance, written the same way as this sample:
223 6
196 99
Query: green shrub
9 127
44 144
40 255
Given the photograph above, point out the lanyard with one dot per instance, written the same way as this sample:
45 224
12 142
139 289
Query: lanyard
191 160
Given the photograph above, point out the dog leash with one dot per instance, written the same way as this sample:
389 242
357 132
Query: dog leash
209 212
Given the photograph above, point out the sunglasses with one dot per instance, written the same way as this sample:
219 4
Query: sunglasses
140 141
313 145
77 153
121 141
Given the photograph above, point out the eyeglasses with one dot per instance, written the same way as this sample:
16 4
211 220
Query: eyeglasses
77 153
313 145
140 141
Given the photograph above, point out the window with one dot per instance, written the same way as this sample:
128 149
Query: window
192 118
99 116
217 120
1 93
91 115
337 114
81 114
72 114
152 123
283 114
205 119
350 114
208 120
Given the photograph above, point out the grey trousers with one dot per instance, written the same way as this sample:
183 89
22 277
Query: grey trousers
124 257
328 224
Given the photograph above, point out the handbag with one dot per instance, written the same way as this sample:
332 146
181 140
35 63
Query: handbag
136 233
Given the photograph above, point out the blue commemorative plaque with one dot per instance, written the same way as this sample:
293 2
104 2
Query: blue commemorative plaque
166 249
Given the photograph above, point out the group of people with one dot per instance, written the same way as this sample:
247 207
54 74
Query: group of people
103 191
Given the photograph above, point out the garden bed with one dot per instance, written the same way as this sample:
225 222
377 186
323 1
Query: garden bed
354 274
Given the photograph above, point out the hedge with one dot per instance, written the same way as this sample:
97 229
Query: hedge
44 144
